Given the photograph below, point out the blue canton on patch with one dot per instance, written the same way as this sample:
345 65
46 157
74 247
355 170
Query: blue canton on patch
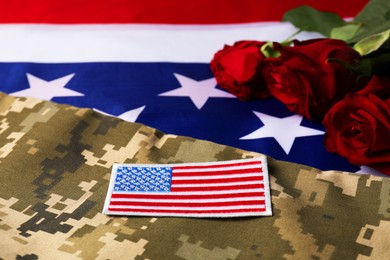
143 179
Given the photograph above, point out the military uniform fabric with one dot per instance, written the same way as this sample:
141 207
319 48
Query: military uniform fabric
55 164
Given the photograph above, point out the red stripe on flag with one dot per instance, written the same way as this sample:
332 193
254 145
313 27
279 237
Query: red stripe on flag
187 196
217 181
162 12
186 212
217 188
186 203
214 172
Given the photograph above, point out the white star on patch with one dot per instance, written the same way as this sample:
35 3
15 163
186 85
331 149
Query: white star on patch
198 91
47 90
283 130
130 116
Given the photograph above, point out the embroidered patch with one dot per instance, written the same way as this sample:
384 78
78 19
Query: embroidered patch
219 189
142 179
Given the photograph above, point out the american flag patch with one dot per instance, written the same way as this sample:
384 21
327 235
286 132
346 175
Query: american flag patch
219 189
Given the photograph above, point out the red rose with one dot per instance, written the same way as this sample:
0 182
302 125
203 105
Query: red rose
236 69
309 77
358 127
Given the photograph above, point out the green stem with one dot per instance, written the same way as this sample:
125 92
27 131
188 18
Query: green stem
288 41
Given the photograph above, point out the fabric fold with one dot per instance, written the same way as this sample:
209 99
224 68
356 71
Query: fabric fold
55 164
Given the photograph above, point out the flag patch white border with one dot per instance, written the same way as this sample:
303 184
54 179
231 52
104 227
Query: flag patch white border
230 205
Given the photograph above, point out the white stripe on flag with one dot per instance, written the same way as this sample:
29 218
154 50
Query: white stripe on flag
130 43
188 200
252 174
237 191
235 184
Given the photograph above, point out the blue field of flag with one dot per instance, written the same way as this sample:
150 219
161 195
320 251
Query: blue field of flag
177 98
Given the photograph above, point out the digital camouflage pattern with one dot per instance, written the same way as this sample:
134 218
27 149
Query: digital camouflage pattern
55 164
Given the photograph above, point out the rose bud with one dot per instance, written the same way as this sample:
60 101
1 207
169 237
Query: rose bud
309 78
236 69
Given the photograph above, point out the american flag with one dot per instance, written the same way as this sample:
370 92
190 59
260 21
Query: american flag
220 189
149 63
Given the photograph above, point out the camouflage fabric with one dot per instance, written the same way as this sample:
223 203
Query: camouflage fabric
55 163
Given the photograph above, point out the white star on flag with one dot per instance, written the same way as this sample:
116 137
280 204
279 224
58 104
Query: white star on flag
130 116
198 91
283 130
368 170
47 90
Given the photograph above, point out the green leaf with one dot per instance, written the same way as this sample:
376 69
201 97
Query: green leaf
307 18
375 12
368 30
345 32
371 43
374 19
